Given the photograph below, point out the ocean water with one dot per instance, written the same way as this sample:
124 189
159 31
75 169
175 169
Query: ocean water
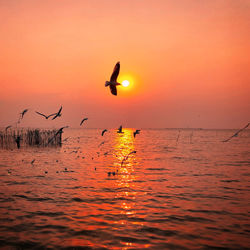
181 189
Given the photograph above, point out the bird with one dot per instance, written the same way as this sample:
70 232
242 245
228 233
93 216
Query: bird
7 128
101 144
237 133
120 130
105 130
126 157
84 119
46 116
32 162
58 114
22 113
57 132
112 83
136 132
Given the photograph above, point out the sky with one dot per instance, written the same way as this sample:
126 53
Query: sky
188 62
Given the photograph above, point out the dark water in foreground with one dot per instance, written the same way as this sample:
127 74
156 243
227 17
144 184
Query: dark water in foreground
180 190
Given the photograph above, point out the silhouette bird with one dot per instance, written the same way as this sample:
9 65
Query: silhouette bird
60 130
84 119
113 79
237 133
46 116
32 162
7 128
105 130
58 114
120 130
21 115
137 132
126 157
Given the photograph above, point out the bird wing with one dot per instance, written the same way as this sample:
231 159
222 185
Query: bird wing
60 110
55 117
113 89
115 73
51 115
236 134
40 114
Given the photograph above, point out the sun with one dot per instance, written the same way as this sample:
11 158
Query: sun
125 83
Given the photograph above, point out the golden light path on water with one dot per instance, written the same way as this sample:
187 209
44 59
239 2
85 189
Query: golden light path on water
172 193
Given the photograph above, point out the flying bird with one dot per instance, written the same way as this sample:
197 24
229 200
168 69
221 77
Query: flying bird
237 133
84 119
58 114
105 130
120 130
22 113
126 157
112 83
46 116
57 132
137 132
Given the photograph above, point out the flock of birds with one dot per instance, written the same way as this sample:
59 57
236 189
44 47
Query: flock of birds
112 84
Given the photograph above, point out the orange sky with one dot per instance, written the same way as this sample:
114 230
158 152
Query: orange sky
188 61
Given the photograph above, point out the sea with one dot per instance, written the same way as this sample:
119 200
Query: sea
163 189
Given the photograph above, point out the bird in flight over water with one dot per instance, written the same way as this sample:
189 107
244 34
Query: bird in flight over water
136 132
46 116
84 119
113 79
105 130
58 114
21 115
237 133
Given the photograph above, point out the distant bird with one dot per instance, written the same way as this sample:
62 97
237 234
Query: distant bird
46 116
105 130
57 132
120 130
113 79
84 119
126 157
7 128
22 113
101 144
137 132
32 162
237 133
58 114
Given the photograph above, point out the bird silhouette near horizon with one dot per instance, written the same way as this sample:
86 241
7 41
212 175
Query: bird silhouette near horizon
22 115
119 131
84 119
58 114
103 132
237 133
60 130
137 132
46 116
112 83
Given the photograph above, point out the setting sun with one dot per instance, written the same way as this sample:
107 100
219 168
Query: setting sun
125 83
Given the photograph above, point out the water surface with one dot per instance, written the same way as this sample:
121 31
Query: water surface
181 189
